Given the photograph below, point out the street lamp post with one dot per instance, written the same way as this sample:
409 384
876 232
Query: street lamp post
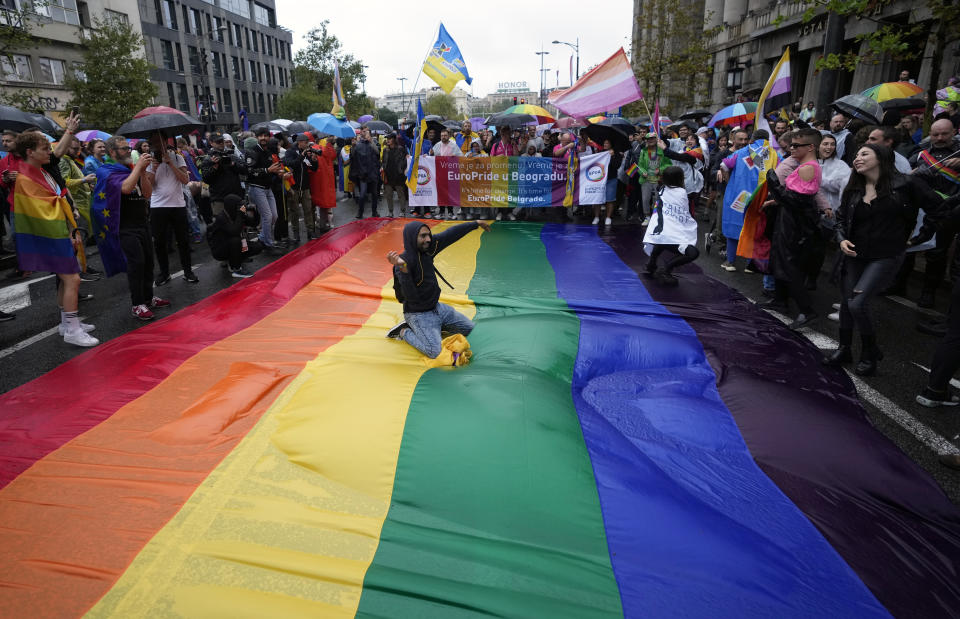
363 78
403 106
541 53
576 48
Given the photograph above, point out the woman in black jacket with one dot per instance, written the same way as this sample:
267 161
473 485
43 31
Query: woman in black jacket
878 211
227 238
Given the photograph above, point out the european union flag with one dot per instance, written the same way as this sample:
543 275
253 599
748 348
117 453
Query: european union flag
105 213
445 64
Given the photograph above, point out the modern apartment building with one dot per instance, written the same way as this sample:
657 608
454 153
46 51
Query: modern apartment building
215 58
58 30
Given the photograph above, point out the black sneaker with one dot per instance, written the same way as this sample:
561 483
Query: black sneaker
932 399
162 280
84 297
4 316
89 277
240 273
190 277
803 320
926 299
394 333
93 271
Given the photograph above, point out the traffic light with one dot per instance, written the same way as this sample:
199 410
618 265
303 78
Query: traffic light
514 100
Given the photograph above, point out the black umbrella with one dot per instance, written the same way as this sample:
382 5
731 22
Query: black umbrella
270 126
599 132
640 120
377 126
46 124
452 125
911 103
695 114
13 119
859 106
299 126
620 123
169 124
512 121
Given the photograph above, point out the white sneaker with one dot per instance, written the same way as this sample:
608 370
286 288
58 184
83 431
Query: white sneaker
513 217
499 216
79 337
62 330
834 316
595 221
607 221
645 222
836 306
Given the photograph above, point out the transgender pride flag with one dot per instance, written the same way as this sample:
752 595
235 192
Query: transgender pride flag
607 86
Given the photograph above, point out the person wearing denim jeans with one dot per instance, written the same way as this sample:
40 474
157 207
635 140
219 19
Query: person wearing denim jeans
416 286
260 172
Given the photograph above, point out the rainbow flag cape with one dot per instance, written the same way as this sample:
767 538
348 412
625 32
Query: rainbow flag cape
41 218
611 450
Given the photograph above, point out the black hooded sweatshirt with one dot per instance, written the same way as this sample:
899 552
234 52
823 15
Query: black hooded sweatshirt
419 284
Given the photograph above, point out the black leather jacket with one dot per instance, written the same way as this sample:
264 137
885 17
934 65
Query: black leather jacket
258 160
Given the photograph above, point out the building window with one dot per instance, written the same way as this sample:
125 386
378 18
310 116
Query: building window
16 68
217 66
219 27
171 96
193 54
183 101
236 68
167 14
256 40
238 36
240 7
227 102
63 11
253 71
245 99
210 32
52 70
263 16
116 15
194 24
169 60
260 106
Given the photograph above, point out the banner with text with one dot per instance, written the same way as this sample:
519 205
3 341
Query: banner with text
508 181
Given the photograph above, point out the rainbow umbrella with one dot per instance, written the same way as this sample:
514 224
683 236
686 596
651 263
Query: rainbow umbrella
92 134
597 118
621 460
892 90
738 114
534 110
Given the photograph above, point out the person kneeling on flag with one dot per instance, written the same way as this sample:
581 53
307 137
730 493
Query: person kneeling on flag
415 284
672 228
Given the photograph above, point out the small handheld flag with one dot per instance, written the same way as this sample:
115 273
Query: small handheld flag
632 170
445 64
336 95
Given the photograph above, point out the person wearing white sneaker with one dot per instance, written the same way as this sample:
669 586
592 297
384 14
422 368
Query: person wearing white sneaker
51 241
612 184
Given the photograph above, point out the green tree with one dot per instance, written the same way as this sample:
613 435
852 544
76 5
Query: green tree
893 40
313 74
441 104
670 56
17 34
388 116
113 82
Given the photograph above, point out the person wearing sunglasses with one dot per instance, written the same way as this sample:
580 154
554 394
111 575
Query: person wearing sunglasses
793 205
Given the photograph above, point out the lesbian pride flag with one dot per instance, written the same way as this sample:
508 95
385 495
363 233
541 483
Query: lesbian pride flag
605 87
613 449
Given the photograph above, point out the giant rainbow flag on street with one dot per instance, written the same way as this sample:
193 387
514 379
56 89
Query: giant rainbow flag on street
613 449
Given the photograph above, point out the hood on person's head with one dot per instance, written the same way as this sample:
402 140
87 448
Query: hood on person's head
250 143
231 204
410 245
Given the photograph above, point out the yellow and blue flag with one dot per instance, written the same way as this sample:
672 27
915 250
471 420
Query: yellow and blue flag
445 64
415 155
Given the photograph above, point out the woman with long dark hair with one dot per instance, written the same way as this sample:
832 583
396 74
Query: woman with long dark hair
877 213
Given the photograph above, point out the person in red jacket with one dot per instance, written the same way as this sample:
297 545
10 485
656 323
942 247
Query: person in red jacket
323 189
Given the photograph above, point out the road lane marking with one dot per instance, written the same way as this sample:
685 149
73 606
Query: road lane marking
31 340
17 296
888 407
953 381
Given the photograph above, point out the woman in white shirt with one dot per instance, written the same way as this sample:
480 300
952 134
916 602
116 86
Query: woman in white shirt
672 229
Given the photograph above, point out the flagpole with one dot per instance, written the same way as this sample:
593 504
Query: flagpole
425 56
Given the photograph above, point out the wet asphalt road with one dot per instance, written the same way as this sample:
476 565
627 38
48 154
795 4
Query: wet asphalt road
30 347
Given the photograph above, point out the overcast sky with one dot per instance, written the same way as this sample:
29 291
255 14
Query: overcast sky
498 38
